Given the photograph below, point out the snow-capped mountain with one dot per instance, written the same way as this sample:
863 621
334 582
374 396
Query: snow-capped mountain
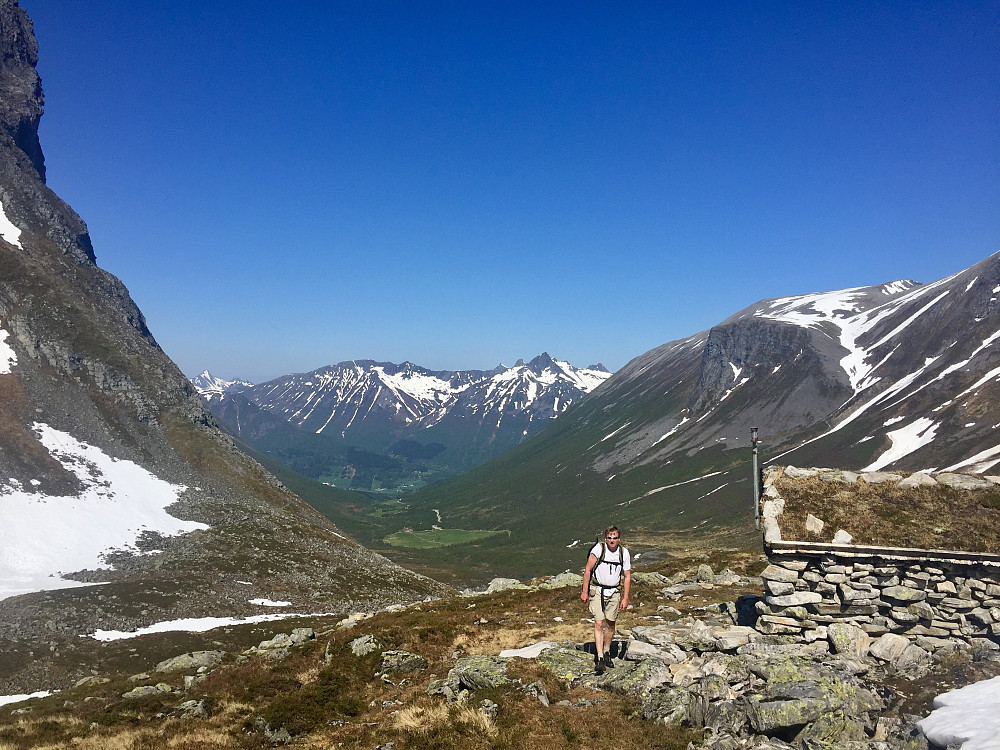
898 375
212 388
473 414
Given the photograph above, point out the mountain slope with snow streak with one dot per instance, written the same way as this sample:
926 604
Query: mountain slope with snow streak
894 376
473 414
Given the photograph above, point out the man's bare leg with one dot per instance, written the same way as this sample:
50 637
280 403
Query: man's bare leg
599 637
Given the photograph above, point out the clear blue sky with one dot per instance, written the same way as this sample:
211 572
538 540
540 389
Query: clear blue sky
287 185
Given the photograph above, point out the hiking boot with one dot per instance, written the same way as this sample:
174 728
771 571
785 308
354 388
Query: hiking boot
598 666
606 660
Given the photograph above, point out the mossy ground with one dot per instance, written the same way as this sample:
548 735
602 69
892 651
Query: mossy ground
885 515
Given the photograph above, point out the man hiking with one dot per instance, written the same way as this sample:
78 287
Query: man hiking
608 565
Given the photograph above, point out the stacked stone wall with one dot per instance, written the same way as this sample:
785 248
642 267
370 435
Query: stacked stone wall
929 597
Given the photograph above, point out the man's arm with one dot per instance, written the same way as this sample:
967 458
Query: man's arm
628 587
587 570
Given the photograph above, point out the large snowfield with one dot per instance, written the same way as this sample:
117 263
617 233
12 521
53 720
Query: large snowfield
43 537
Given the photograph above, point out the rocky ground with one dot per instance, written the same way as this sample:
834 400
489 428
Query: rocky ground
510 666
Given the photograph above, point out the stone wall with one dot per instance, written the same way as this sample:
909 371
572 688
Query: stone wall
932 598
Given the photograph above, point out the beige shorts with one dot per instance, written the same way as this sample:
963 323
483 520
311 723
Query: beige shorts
602 611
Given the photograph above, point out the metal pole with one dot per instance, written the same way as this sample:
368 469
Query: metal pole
756 479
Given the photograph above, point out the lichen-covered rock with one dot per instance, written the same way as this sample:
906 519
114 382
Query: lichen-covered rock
365 645
564 580
194 709
904 594
778 573
666 704
963 482
843 477
880 477
769 717
834 729
191 661
402 662
848 639
567 664
480 672
638 679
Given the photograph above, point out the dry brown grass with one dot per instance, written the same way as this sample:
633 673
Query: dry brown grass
421 717
885 515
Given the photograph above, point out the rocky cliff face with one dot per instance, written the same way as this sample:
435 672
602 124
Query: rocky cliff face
95 420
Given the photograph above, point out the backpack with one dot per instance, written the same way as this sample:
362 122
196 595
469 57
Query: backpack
602 559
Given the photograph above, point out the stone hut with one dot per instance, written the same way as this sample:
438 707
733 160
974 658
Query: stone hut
861 572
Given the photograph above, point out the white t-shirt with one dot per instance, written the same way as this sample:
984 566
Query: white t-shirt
609 573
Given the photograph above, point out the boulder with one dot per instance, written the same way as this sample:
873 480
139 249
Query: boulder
814 525
889 647
919 479
705 574
771 717
567 664
365 645
505 584
842 537
194 709
566 580
402 662
849 640
666 704
639 679
796 473
480 672
880 477
964 482
639 650
191 662
842 477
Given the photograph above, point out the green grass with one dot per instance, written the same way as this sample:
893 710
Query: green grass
437 537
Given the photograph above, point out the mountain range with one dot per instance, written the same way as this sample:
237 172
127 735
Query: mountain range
324 422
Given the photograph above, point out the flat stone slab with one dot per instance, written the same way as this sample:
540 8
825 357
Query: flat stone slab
964 482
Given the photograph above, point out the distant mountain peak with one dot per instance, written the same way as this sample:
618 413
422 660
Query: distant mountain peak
477 413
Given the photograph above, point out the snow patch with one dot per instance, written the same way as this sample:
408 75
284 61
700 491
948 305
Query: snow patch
8 357
196 625
969 717
43 537
8 231
905 441
7 699
269 603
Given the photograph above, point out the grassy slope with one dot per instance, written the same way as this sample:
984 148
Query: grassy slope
328 698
